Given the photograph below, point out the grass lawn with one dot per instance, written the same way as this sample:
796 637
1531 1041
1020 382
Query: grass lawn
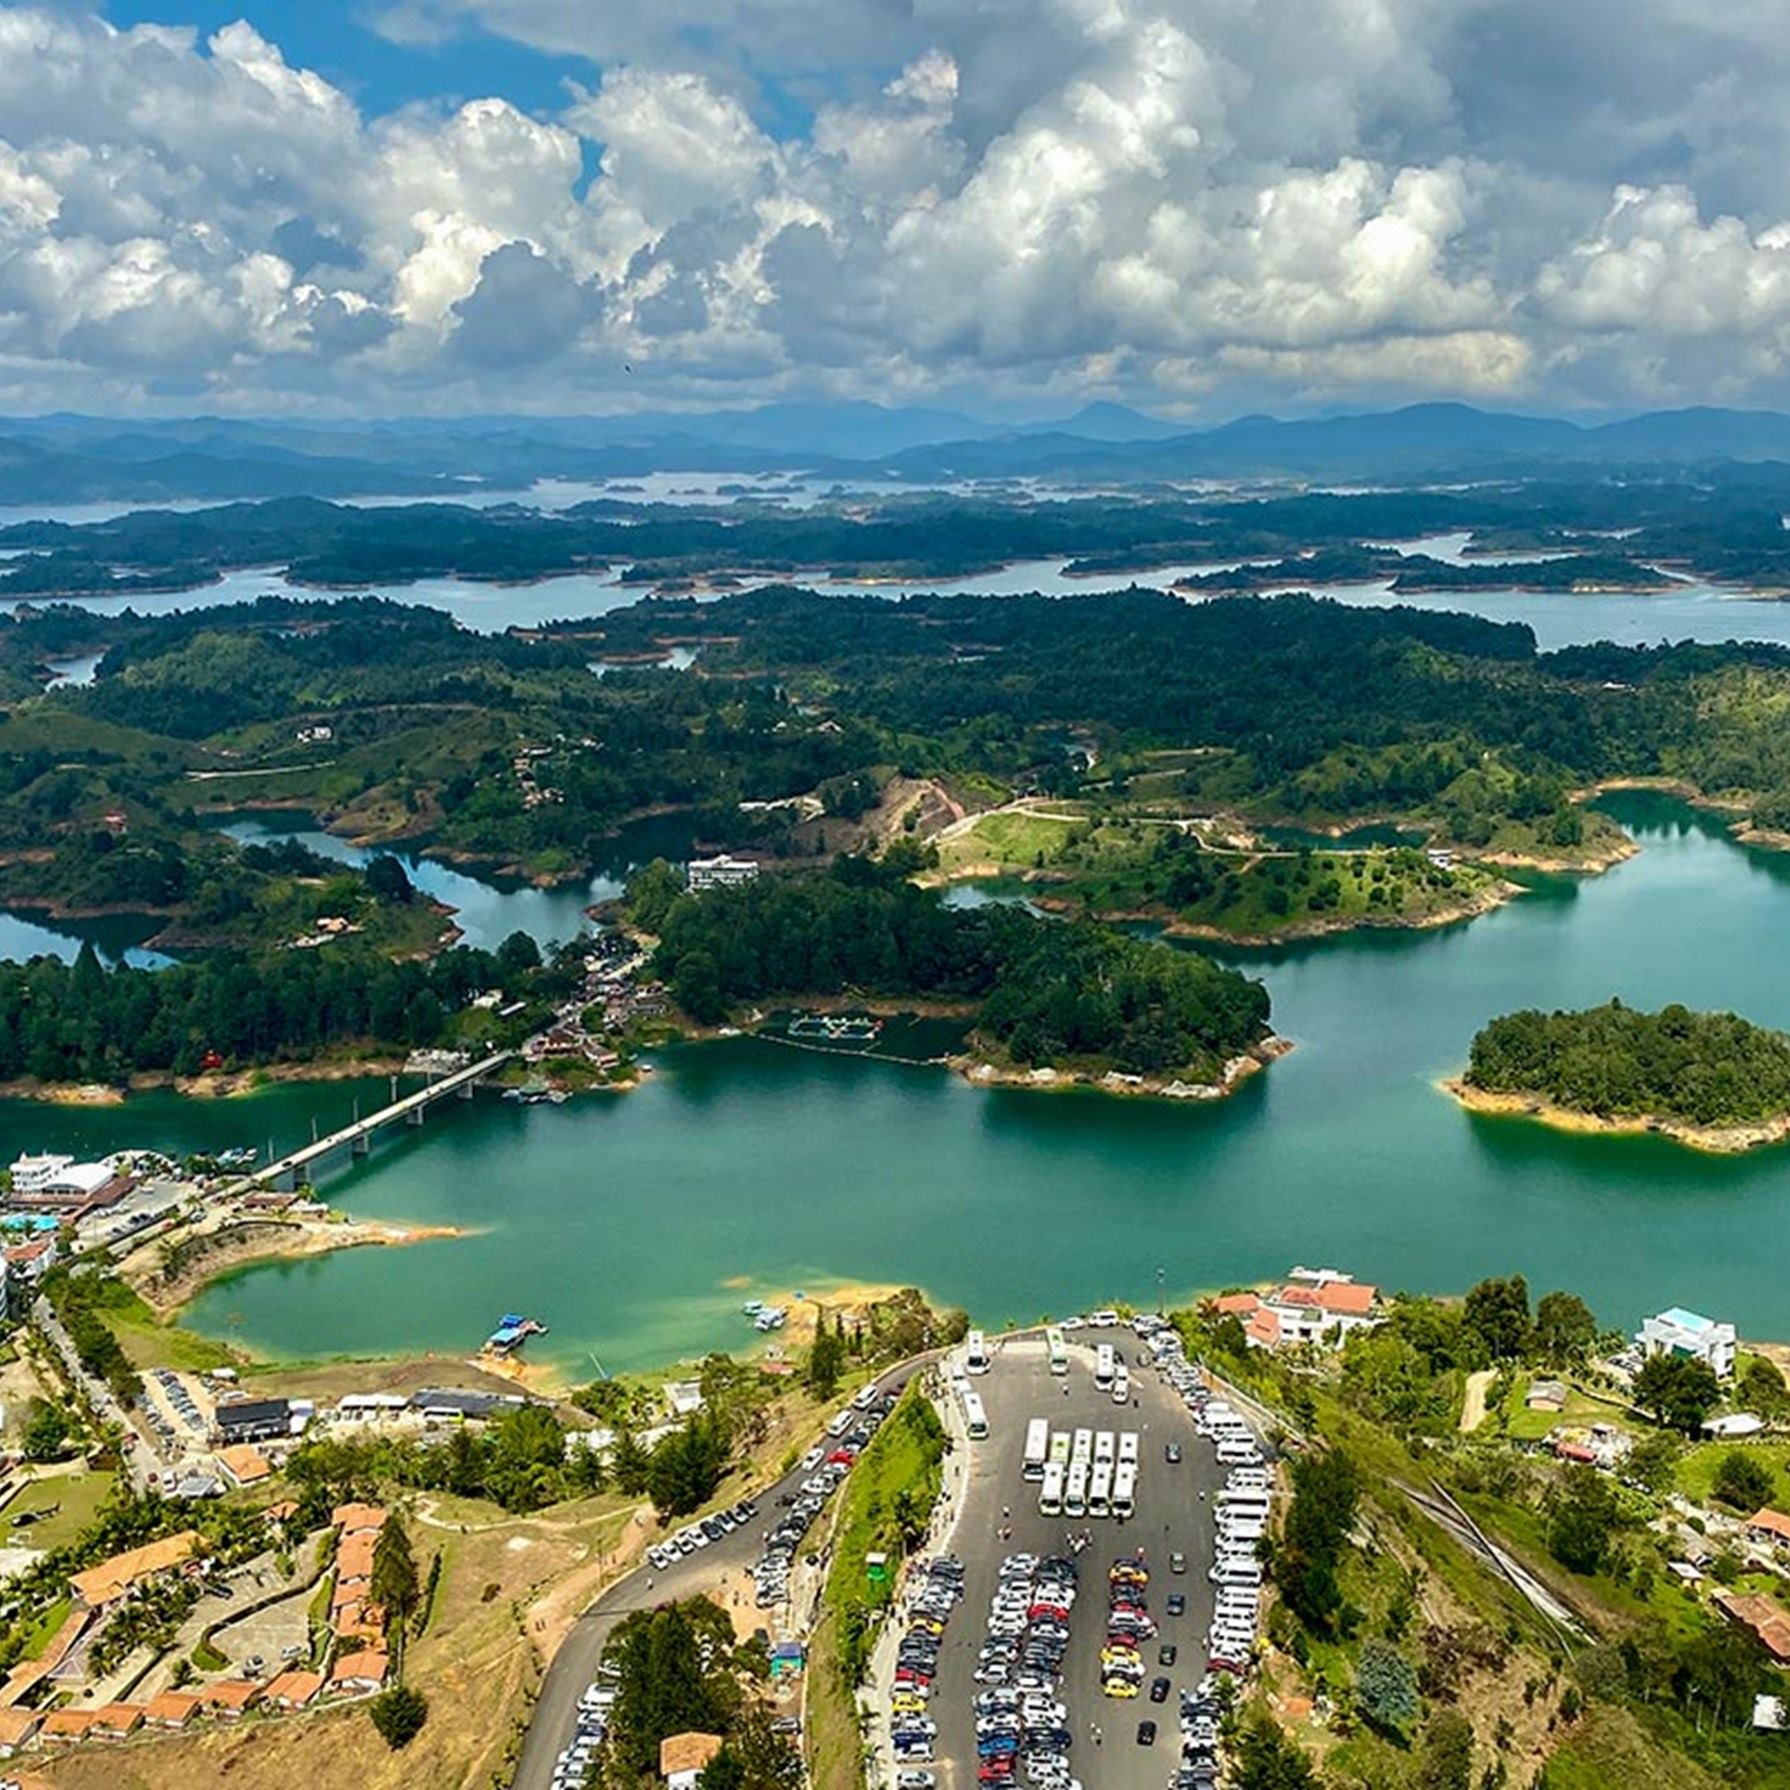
1696 1472
78 1494
151 1343
1524 1425
44 1629
1020 841
1609 1750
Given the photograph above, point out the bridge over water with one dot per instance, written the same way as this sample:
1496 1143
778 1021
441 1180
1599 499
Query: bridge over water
294 1170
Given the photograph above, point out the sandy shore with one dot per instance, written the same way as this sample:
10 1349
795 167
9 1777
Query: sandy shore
1724 1140
249 1241
1147 1087
221 1084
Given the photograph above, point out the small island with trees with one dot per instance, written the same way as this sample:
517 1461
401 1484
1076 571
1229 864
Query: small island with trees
1712 1080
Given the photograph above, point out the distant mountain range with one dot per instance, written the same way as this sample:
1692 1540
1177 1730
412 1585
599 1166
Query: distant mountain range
66 459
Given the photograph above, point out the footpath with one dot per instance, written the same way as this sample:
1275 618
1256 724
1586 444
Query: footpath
878 1688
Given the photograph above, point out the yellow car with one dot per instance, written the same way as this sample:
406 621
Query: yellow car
908 1704
1119 1687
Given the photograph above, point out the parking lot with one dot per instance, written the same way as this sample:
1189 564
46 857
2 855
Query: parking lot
1001 1518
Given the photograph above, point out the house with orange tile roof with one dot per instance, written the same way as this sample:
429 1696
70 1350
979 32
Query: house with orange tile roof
294 1690
1770 1528
356 1519
67 1724
1318 1306
117 1721
18 1727
172 1709
683 1757
112 1579
356 1674
280 1511
243 1464
230 1697
354 1557
1765 1616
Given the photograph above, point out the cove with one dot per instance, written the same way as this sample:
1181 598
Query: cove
635 1226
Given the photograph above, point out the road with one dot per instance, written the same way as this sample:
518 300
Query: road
575 1664
137 1455
1171 1516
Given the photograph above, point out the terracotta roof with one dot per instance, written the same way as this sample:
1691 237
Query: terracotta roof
230 1693
369 1665
1766 1617
1343 1297
293 1690
1774 1522
112 1578
244 1464
1263 1327
350 1518
1236 1304
117 1718
172 1709
687 1752
278 1512
354 1558
29 1252
67 1724
18 1725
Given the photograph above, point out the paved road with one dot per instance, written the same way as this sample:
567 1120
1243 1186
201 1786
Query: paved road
575 1664
1171 1516
138 1457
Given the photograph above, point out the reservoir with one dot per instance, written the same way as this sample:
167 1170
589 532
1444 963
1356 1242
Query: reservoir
636 1225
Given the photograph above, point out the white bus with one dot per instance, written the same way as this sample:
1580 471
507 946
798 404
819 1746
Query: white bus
1105 1448
975 1354
1128 1448
1103 1365
975 1419
1100 1490
1050 1494
1075 1498
1060 1444
1037 1447
1081 1452
1125 1489
1059 1350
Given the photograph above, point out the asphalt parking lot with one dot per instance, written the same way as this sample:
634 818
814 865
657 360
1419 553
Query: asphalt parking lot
1172 1516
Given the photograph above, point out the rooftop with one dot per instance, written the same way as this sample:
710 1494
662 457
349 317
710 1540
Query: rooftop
112 1578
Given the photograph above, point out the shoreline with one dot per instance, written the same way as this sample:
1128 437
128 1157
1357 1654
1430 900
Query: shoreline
218 1084
983 1074
1715 1140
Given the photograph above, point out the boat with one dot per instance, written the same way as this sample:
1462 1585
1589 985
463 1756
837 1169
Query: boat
837 1028
512 1331
751 1308
770 1318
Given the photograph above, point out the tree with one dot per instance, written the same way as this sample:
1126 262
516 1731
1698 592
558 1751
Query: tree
1653 1460
1677 1390
1326 1490
686 1466
1742 1480
753 1757
826 1358
1762 1388
1581 1519
1565 1330
1445 1753
696 987
388 881
393 1585
399 1715
1386 1686
1267 1759
47 1430
1498 1312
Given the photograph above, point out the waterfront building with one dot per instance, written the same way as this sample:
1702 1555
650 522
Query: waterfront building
722 872
60 1183
1681 1332
1320 1306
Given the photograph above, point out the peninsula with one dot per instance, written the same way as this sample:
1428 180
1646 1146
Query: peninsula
1711 1080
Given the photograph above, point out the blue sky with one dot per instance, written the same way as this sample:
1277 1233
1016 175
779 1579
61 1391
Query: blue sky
1196 206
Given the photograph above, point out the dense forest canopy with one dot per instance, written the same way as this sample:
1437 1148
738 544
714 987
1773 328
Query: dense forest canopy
1707 1069
1044 992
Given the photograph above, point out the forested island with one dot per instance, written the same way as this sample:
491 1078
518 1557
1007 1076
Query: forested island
1710 1079
1077 1000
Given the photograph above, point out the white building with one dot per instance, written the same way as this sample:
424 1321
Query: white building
59 1176
1681 1332
720 873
